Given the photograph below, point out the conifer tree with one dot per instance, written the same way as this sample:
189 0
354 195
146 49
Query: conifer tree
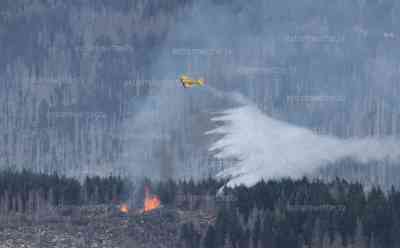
210 240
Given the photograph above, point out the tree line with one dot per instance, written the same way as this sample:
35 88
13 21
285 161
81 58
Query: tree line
303 213
24 191
276 213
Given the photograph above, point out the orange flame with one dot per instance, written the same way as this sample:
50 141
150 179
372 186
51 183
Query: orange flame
124 208
150 202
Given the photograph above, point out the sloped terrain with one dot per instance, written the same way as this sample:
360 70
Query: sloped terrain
100 227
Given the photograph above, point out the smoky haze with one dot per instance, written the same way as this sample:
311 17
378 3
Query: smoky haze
327 78
287 61
91 87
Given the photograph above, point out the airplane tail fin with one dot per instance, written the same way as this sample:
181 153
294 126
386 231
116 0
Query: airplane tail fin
200 81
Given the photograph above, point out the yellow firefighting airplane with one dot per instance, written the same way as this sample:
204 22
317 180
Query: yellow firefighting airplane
188 82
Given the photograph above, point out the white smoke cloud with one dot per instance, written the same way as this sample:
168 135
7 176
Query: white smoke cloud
267 148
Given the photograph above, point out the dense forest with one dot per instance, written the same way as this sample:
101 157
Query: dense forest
74 73
304 213
89 89
28 192
277 213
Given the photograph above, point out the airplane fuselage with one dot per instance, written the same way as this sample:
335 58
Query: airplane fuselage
189 82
